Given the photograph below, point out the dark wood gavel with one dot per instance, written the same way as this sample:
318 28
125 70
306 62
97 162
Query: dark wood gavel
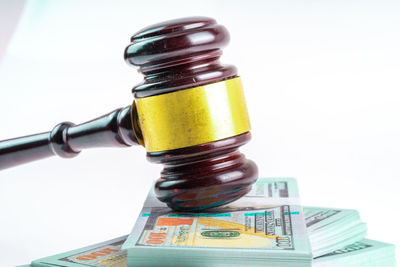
189 113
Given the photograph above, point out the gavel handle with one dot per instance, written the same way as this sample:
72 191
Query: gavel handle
66 140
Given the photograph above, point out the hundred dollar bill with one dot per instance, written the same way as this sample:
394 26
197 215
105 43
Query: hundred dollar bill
277 188
269 229
268 223
331 229
366 253
268 192
235 228
105 254
316 218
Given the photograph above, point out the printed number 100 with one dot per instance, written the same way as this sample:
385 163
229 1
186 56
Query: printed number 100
156 238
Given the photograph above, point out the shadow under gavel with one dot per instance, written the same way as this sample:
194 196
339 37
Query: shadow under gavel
189 113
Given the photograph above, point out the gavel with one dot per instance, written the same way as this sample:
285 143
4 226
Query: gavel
189 113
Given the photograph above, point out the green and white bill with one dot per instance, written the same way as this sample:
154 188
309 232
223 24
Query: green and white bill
332 229
366 253
107 253
266 226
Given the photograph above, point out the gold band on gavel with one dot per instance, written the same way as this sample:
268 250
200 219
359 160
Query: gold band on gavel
193 116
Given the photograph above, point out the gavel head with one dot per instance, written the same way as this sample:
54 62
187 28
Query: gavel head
190 113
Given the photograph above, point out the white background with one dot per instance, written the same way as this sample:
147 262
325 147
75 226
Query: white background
321 78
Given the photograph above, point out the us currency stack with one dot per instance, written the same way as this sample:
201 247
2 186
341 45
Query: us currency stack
332 229
267 227
366 253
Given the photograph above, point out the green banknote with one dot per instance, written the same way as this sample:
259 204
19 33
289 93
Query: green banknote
366 253
332 229
266 225
268 229
104 254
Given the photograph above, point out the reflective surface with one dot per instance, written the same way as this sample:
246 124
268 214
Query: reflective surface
175 57
205 176
179 54
67 140
194 116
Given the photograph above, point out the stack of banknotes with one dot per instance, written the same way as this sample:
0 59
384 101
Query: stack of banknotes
366 253
267 227
332 229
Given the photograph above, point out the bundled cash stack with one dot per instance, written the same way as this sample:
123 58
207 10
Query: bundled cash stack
332 229
267 227
251 231
366 253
